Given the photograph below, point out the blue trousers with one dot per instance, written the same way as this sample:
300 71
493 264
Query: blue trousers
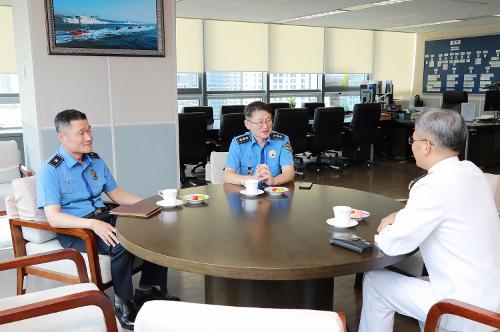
121 262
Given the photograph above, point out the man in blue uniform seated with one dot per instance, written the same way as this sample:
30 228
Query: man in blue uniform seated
69 188
260 153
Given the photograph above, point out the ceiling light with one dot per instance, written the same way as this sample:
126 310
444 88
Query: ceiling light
425 24
312 16
498 15
375 4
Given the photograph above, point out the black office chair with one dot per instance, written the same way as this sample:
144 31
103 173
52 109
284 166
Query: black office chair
275 106
327 136
228 109
207 110
192 144
363 129
453 100
231 125
311 107
294 122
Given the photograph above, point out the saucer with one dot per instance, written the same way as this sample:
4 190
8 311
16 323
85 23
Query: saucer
276 190
162 203
196 198
244 192
333 222
359 214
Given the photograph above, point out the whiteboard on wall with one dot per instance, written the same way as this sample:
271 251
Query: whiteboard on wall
461 64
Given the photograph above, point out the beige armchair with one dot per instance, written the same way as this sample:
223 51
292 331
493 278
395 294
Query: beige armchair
31 234
10 169
80 307
458 308
186 317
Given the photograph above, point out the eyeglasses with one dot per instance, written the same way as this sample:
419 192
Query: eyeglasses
411 140
262 123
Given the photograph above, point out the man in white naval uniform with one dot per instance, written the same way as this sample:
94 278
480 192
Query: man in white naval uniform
451 217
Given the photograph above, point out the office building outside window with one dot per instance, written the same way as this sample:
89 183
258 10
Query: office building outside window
188 81
234 81
10 110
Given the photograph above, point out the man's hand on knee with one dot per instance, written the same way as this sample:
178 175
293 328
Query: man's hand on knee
105 231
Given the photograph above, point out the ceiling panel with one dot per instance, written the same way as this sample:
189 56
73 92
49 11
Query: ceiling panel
476 13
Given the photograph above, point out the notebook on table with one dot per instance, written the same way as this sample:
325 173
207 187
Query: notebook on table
140 209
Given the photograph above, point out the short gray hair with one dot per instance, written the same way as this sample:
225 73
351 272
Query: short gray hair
63 119
447 127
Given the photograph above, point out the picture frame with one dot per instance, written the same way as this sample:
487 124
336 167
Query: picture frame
111 27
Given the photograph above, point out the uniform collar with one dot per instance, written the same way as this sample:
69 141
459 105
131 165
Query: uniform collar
70 161
254 140
443 164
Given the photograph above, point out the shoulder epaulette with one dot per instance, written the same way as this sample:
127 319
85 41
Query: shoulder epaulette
243 139
56 160
93 155
277 136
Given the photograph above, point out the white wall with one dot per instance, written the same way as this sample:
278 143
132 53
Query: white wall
135 93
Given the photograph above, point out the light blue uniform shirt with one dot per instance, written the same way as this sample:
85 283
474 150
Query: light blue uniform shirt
76 187
245 153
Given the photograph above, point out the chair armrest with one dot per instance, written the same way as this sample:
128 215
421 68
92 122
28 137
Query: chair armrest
46 257
63 303
25 171
86 235
458 308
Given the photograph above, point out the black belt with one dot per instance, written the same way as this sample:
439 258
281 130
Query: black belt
96 212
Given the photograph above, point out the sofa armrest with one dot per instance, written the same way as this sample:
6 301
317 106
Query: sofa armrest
63 303
55 255
25 171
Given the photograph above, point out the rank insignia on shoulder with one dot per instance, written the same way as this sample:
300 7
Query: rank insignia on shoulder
277 136
288 146
243 139
93 155
56 160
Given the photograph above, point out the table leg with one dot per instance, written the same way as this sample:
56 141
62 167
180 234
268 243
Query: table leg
305 294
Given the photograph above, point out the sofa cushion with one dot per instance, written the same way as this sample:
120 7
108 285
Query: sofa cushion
88 318
5 190
8 174
10 207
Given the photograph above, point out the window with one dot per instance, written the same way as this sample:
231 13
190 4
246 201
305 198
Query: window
10 110
188 81
346 100
299 100
235 81
187 102
9 84
291 81
217 102
344 81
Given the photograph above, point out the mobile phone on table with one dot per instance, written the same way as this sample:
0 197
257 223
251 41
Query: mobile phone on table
305 185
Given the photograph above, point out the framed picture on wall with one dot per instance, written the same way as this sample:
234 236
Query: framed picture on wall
111 27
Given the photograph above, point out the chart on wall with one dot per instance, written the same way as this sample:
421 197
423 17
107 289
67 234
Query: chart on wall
462 64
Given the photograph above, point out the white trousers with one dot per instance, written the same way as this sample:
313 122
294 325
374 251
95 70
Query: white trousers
385 293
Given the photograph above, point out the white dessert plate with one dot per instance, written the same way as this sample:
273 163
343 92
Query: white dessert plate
276 190
335 223
196 198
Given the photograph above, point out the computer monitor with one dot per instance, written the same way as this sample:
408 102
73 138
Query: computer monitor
492 101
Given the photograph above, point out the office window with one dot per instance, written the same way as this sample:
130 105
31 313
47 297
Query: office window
10 110
10 116
345 100
217 102
188 81
344 80
9 84
235 81
293 81
187 102
299 100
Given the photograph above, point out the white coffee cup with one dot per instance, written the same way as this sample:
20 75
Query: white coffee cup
342 214
168 195
251 186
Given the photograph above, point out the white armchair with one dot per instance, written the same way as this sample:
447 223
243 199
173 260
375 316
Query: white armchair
187 317
214 170
80 307
31 234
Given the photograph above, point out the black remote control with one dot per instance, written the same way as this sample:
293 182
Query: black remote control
352 242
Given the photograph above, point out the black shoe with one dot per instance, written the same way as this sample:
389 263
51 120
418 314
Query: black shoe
142 296
126 312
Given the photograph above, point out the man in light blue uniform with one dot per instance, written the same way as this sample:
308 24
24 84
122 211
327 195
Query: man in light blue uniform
260 153
69 188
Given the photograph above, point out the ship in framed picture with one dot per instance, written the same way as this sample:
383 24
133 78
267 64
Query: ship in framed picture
111 27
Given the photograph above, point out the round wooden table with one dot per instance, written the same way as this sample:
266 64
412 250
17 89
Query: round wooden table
266 251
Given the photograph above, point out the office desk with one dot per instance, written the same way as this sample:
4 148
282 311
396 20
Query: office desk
265 251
